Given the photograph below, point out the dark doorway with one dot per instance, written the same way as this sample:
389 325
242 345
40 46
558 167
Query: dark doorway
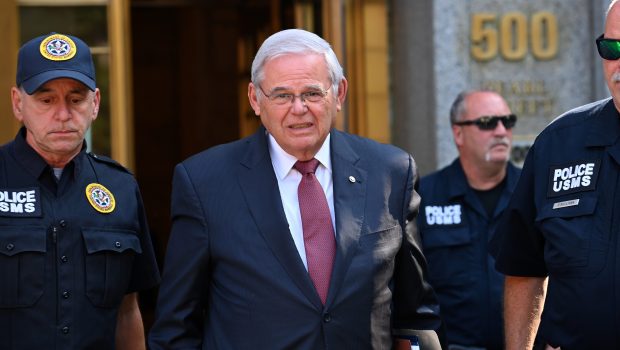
191 64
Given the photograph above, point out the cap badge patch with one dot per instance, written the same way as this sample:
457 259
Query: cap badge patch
57 47
100 198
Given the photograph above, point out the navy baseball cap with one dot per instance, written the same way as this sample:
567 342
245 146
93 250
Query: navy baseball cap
51 57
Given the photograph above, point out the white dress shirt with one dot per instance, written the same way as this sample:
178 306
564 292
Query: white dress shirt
288 181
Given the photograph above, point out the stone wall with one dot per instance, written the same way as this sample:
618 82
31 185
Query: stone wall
540 55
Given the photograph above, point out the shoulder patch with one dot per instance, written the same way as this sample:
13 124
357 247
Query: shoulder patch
573 177
109 161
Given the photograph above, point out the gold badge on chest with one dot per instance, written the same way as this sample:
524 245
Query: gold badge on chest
100 198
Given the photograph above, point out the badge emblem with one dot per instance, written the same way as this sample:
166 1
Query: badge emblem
100 198
57 47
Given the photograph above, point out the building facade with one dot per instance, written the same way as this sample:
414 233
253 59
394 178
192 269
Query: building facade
174 73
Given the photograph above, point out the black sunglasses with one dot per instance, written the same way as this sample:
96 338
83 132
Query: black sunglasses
608 49
490 122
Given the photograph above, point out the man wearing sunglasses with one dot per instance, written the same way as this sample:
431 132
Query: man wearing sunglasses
559 241
460 207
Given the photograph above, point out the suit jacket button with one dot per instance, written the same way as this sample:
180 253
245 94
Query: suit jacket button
327 318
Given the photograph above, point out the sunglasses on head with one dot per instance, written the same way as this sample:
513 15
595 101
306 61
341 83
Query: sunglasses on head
608 49
490 122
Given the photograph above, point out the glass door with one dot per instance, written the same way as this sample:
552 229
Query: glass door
104 26
88 21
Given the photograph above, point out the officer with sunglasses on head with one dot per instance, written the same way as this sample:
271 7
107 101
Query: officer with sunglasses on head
559 241
460 207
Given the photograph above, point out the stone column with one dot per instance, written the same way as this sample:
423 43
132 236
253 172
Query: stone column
413 80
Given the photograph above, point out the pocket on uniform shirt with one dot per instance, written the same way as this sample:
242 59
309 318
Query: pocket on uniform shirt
22 265
574 247
108 263
448 253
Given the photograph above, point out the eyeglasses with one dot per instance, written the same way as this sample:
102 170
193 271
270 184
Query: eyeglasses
608 49
490 122
285 98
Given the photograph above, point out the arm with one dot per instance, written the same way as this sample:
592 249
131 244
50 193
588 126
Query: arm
416 306
180 313
524 298
129 327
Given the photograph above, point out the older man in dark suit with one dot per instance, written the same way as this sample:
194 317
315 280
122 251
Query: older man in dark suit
300 236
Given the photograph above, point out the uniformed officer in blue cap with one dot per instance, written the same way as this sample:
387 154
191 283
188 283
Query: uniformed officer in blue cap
461 205
559 241
74 243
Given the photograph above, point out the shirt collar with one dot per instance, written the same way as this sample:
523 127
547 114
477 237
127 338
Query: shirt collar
601 122
283 162
33 162
458 186
27 156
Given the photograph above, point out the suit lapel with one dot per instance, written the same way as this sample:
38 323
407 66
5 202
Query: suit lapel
350 184
260 188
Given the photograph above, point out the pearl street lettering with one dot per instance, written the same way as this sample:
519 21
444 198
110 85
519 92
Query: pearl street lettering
443 215
571 178
20 202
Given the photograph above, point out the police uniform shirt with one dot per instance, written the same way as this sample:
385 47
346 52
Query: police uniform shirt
455 229
65 266
563 222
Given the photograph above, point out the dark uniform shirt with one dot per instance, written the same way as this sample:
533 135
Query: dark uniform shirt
64 266
563 222
455 228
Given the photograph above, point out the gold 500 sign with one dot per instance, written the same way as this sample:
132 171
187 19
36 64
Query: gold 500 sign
512 35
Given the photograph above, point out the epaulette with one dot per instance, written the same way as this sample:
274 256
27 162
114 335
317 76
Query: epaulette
109 161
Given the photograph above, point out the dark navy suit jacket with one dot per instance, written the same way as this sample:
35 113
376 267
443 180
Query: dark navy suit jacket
233 278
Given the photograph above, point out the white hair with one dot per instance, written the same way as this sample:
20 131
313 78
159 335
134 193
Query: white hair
611 4
296 41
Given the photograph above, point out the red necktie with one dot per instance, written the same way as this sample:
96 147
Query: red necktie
319 239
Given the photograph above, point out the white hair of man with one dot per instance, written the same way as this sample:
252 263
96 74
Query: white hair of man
611 4
296 41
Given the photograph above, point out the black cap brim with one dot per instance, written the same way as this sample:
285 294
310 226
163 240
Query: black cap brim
34 83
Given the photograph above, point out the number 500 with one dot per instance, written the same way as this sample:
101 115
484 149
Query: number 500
508 35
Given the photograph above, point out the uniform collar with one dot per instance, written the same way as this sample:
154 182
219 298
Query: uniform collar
512 176
602 121
458 186
27 156
34 164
